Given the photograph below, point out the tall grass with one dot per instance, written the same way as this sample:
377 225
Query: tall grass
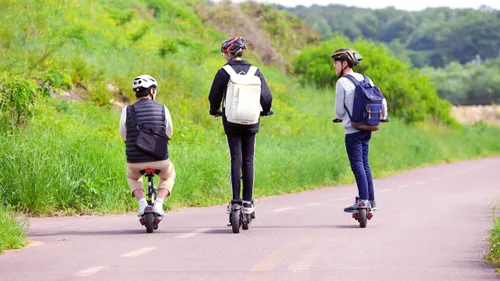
493 257
72 159
12 230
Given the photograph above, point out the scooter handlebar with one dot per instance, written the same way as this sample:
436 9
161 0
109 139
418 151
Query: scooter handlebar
269 113
336 120
219 114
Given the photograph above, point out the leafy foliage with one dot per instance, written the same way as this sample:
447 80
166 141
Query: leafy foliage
493 256
410 94
17 97
468 84
432 37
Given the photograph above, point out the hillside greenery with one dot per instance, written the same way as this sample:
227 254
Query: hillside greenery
277 36
468 84
411 95
431 37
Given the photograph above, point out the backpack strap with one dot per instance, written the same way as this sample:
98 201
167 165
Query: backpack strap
353 80
369 81
252 71
132 114
347 110
356 83
229 70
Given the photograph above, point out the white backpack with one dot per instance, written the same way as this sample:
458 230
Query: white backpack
242 103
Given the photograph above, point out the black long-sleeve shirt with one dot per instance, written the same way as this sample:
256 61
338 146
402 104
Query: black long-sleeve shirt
218 93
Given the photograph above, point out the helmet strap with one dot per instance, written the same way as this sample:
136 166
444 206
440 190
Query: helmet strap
153 93
343 68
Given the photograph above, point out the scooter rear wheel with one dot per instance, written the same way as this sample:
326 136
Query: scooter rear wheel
236 221
149 222
362 218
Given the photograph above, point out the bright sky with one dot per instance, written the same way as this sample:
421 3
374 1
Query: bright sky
398 4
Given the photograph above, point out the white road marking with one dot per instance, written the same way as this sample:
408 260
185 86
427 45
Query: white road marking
313 204
403 186
283 209
466 170
194 233
137 252
89 271
385 190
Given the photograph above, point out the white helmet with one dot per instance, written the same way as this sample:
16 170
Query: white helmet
144 81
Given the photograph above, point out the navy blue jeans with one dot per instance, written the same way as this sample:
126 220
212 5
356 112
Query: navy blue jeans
357 150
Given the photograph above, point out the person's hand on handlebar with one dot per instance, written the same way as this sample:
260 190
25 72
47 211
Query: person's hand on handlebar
269 113
337 120
216 113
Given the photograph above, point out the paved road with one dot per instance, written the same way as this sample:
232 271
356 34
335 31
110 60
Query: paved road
431 225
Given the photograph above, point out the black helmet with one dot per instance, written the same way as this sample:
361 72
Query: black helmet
347 54
233 45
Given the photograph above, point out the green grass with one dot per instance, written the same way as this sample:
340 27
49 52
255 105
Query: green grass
12 230
493 257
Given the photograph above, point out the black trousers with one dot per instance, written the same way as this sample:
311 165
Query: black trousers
241 150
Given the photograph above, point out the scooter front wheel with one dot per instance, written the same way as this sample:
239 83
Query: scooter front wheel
246 218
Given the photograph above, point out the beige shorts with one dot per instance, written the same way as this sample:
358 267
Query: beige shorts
166 175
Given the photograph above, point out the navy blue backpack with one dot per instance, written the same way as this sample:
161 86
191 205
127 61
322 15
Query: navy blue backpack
367 111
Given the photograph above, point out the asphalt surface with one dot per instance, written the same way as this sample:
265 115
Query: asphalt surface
432 224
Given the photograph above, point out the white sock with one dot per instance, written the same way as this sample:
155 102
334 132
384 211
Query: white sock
159 202
142 202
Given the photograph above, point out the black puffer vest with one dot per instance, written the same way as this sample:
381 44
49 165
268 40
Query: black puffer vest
147 112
